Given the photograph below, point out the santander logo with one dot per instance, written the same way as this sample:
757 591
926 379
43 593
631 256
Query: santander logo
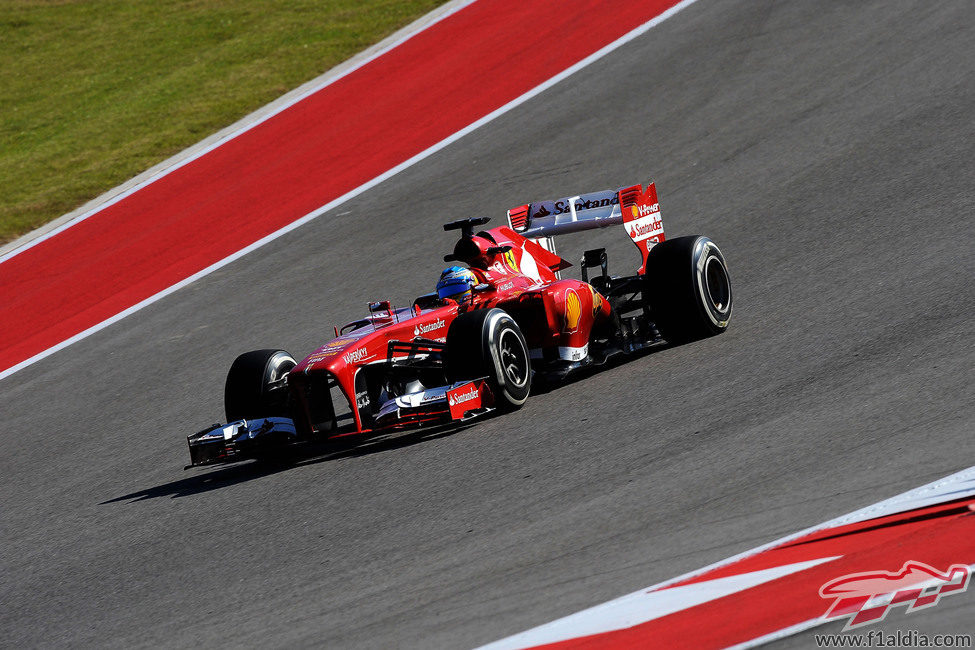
464 397
428 327
646 222
645 229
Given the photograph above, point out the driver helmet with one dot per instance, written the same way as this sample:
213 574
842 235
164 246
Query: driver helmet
456 283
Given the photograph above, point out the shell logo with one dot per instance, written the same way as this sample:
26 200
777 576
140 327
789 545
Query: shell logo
573 311
635 212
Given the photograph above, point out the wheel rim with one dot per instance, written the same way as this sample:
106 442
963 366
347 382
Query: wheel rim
281 365
514 358
717 285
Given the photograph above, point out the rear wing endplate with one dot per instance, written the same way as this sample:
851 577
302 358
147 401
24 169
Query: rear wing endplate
633 207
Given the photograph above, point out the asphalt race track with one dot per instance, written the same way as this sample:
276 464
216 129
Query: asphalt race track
827 147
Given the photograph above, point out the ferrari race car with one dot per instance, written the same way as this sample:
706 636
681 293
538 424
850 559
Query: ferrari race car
453 356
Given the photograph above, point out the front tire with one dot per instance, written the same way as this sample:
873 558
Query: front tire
488 343
688 288
249 393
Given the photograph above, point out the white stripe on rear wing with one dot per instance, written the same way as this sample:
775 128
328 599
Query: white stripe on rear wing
571 214
546 219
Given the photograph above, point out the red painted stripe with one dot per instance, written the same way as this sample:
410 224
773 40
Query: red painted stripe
938 535
837 540
436 83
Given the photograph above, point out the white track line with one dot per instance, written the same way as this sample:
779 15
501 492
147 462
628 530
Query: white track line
243 125
592 58
957 485
646 605
794 629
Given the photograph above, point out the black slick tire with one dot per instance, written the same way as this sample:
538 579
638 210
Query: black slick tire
688 289
246 393
488 343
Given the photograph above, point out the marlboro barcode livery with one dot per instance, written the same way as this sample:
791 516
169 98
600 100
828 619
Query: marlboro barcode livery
501 318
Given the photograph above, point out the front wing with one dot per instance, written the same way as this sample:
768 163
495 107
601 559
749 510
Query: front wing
245 439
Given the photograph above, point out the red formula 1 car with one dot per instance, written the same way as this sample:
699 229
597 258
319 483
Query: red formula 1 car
450 358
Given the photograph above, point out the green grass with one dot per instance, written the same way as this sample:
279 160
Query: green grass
94 92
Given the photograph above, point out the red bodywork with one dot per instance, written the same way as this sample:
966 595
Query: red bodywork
556 317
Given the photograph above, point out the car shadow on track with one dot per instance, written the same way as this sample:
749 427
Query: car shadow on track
218 477
311 454
541 386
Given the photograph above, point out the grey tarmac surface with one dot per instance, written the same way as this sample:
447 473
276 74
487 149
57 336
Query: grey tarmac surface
827 147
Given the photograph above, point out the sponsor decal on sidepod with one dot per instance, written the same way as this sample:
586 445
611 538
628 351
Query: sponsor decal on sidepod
428 327
573 311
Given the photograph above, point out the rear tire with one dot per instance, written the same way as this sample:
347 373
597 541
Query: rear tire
246 393
688 288
488 343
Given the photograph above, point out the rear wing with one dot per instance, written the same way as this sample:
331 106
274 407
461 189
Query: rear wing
636 209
